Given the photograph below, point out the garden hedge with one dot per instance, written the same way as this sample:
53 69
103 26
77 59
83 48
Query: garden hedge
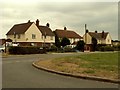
26 50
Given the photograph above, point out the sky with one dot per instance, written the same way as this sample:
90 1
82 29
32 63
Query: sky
73 14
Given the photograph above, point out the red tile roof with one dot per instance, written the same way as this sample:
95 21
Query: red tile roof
46 30
98 35
2 41
19 28
67 33
22 28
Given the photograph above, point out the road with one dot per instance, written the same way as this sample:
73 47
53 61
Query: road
18 72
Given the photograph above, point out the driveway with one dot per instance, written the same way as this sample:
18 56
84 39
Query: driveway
18 72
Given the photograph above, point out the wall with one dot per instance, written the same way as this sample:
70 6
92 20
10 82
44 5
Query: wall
108 39
22 38
88 38
48 39
33 30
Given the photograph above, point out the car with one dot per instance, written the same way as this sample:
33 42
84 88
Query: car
2 48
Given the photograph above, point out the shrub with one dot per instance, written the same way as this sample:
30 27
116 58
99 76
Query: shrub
117 47
106 48
68 49
53 48
26 50
80 45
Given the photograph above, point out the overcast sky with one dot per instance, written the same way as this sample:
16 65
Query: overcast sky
97 15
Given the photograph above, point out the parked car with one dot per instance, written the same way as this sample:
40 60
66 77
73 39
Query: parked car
2 48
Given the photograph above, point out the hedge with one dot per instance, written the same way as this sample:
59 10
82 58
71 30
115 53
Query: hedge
106 48
26 50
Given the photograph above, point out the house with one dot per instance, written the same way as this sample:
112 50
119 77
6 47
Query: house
31 34
115 42
71 35
102 38
4 43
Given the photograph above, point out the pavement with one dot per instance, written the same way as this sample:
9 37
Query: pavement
18 72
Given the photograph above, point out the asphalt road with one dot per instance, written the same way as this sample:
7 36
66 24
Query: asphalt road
18 72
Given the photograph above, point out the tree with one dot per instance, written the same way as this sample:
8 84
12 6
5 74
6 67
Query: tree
57 42
65 41
94 44
80 45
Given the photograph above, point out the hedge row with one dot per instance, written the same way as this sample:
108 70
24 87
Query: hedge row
26 50
106 48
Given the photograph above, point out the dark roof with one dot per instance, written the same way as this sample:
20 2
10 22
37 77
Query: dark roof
98 35
2 41
19 28
67 33
46 30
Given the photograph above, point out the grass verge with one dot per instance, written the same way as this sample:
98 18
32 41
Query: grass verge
94 64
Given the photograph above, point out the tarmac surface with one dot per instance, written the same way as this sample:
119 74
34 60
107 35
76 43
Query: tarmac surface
18 72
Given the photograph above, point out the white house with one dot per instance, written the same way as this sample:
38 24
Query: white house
70 34
30 33
102 38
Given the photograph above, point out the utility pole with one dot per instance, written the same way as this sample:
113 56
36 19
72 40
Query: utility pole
85 33
44 38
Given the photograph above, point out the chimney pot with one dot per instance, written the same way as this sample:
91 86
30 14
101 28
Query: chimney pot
37 22
28 21
65 28
102 34
87 31
48 25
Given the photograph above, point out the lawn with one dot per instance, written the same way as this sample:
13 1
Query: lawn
92 64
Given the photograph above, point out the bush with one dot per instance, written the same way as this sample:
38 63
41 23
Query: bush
68 49
106 48
26 50
80 45
53 48
117 47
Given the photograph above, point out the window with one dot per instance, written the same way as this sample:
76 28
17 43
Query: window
51 38
18 36
33 36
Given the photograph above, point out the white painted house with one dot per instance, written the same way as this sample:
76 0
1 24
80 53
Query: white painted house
102 38
31 34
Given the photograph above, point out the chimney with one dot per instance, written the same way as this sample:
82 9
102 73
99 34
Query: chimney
86 31
48 25
37 22
103 34
65 28
96 31
28 21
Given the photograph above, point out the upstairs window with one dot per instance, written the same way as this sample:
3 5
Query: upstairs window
51 38
18 36
33 36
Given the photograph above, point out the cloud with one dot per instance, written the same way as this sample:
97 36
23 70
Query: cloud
98 15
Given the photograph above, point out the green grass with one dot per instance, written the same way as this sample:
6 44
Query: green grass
93 64
105 64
